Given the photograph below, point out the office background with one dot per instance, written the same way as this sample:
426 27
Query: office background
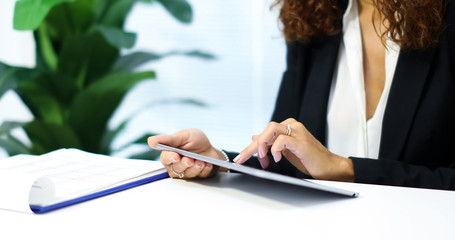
238 87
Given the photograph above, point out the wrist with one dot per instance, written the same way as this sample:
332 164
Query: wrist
221 154
346 167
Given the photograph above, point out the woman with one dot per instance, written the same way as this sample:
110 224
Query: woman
368 96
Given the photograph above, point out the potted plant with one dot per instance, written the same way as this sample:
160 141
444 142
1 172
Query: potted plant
80 76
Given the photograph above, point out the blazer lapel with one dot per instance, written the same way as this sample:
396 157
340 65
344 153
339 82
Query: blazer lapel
405 93
320 75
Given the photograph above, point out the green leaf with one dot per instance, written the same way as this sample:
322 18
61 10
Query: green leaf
118 38
198 54
13 146
47 50
28 14
69 19
116 12
189 101
7 78
93 107
148 1
47 137
33 89
133 60
109 136
89 54
11 77
119 82
8 142
40 97
180 9
7 126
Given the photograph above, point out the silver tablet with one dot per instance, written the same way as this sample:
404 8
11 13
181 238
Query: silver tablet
259 173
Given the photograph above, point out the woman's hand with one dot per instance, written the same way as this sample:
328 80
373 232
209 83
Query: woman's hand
192 140
301 149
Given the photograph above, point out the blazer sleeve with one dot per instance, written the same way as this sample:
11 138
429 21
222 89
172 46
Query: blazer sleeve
392 172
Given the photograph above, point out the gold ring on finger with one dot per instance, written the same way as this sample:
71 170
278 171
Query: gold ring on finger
179 174
288 130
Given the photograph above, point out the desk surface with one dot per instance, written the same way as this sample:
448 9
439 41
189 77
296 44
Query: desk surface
235 206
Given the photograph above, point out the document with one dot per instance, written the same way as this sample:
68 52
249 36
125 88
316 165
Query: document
67 176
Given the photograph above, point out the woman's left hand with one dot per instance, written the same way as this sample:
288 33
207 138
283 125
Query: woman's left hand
291 139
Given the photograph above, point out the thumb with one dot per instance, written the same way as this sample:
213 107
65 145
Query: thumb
177 140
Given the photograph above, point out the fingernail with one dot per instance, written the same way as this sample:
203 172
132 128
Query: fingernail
188 163
262 165
264 153
276 158
237 158
199 165
260 154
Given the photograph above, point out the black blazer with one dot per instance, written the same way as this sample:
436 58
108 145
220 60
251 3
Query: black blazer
417 147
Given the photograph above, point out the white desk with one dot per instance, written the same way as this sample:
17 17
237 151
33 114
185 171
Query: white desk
247 208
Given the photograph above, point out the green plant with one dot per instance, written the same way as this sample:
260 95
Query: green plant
80 77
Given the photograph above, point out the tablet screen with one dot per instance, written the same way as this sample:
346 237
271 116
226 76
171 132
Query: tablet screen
259 172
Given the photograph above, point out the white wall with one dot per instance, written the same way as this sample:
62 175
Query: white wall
16 48
239 86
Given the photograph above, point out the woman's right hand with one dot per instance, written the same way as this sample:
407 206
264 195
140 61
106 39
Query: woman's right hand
192 140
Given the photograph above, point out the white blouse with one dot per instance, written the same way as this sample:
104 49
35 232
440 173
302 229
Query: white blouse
349 133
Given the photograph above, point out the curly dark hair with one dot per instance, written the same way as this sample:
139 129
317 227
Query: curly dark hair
412 24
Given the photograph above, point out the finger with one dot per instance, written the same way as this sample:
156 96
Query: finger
288 144
271 132
276 154
279 146
177 139
195 170
163 139
289 121
206 171
261 143
167 158
172 173
182 165
282 143
264 161
254 137
188 162
262 154
268 137
170 160
246 153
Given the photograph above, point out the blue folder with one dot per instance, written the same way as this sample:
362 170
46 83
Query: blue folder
44 209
